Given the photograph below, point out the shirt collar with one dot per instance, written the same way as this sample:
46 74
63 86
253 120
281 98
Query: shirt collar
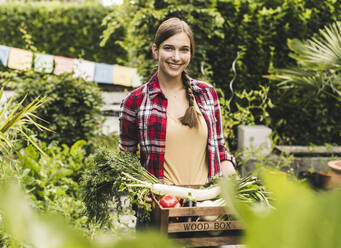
154 86
195 87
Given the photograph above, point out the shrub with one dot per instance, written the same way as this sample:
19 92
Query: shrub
72 109
310 92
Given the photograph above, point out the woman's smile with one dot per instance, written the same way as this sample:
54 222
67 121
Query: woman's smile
174 65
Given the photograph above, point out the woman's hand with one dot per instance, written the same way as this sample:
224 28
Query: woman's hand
227 168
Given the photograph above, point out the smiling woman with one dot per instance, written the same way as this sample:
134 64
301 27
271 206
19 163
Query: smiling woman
173 56
175 119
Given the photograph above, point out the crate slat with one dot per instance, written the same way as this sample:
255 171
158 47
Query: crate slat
203 226
197 211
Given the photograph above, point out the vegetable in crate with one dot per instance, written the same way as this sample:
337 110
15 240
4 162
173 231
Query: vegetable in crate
185 193
114 175
248 189
109 178
209 203
169 201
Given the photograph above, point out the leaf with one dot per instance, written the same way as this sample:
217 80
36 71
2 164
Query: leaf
61 173
25 226
77 147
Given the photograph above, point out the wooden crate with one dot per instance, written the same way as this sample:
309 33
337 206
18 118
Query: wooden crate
175 222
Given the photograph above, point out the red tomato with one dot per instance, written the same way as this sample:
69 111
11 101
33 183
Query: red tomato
168 201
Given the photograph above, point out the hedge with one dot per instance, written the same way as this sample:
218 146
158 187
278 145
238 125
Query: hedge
257 29
66 29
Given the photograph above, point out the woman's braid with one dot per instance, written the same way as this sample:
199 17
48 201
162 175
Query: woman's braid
191 115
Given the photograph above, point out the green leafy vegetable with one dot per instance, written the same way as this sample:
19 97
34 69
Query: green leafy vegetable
248 189
111 177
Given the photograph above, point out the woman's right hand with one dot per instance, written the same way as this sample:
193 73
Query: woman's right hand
227 168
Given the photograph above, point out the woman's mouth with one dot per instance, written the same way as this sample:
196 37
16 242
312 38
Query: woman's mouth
174 66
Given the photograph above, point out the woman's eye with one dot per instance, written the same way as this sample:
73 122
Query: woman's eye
185 49
168 48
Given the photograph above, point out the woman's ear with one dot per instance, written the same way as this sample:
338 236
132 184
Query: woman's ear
155 51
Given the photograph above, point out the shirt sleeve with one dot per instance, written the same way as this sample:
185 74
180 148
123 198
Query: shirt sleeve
128 139
223 154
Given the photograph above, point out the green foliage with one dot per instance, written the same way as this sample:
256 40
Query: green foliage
27 227
302 121
101 141
53 180
51 213
97 186
72 109
258 28
301 218
251 109
14 119
314 85
113 176
318 64
68 29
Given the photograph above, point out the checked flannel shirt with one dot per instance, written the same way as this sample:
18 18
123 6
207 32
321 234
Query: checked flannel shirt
143 121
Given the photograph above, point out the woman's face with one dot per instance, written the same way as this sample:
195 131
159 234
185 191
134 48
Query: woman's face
173 55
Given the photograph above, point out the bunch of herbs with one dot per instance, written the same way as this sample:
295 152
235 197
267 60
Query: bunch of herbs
111 178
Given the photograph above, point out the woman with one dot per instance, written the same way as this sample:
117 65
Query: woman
175 119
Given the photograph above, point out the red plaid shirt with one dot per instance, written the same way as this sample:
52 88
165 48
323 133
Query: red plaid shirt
143 121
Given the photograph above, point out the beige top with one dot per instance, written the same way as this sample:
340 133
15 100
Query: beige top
185 157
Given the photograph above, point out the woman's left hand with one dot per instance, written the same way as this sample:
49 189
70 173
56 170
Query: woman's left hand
227 168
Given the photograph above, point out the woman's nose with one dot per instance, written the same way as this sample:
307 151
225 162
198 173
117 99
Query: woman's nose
176 55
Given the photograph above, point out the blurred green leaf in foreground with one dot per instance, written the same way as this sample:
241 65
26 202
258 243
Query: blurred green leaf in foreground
28 228
301 217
